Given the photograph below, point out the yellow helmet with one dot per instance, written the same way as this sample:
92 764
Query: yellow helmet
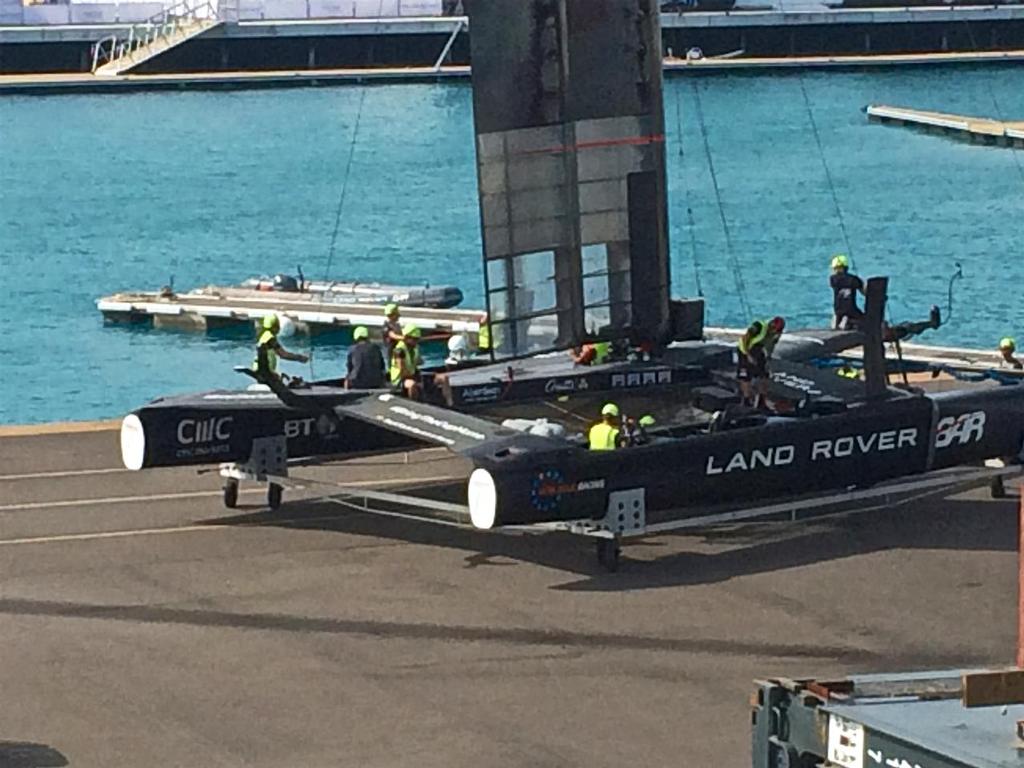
270 322
360 333
646 421
390 309
412 331
1008 343
840 262
610 409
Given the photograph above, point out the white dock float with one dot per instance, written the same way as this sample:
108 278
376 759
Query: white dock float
980 129
208 310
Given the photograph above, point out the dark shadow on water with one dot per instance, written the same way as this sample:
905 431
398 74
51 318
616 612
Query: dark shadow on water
25 754
937 523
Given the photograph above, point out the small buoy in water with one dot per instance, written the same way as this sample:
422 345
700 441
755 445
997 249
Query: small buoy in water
287 327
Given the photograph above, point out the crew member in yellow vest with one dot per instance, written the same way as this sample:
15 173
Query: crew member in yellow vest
1007 347
406 361
483 343
592 354
268 349
604 436
489 336
752 365
847 371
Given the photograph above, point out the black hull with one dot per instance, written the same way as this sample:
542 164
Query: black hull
220 426
755 465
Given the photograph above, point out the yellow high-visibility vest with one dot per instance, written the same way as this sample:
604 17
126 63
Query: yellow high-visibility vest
745 346
264 343
413 361
603 437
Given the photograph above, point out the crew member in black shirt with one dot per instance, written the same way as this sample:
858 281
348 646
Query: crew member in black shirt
365 362
845 286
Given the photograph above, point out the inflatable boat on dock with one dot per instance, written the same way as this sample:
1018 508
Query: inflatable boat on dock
313 307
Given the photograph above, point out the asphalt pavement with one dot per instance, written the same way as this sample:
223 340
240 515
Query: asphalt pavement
142 623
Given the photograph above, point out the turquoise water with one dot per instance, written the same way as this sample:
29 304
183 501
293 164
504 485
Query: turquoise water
100 193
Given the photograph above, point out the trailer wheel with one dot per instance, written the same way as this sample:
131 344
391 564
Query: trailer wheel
231 493
608 552
997 489
274 493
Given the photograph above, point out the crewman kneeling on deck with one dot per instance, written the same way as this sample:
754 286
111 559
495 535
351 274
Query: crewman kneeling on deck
604 436
268 349
406 361
752 365
845 286
1007 347
365 363
592 354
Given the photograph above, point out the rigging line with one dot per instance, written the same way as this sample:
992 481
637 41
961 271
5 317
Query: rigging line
341 197
734 264
340 209
828 172
686 194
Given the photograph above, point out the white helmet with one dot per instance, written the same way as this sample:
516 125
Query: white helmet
458 349
458 346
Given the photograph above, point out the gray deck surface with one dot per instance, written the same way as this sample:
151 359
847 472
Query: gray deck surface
984 737
154 628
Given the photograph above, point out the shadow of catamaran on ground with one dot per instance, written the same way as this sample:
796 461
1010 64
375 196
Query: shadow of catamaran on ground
959 522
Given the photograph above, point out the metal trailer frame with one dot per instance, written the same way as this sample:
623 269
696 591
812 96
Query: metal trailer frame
947 719
625 516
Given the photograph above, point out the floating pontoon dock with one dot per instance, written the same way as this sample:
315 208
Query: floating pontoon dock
979 129
208 309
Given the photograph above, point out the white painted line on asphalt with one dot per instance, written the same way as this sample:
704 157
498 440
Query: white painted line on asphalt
64 473
111 534
114 500
411 481
100 535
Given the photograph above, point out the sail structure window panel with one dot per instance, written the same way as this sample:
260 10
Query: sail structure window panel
600 319
531 277
525 336
607 295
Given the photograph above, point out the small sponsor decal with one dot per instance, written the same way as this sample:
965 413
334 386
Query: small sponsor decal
485 393
963 429
796 382
200 431
321 426
548 488
565 386
642 378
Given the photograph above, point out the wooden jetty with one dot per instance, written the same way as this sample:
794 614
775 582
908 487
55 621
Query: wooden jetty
214 308
78 82
978 129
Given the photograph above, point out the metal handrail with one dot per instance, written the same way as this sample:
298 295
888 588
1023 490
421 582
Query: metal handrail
164 25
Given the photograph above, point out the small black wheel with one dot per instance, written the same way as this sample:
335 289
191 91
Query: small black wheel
274 493
231 493
997 488
608 552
